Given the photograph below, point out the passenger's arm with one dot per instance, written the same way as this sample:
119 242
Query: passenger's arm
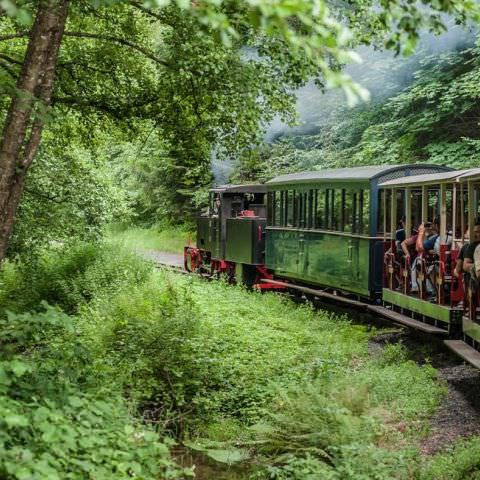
405 244
458 268
467 264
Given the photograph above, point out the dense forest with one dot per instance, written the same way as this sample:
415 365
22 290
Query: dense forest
116 116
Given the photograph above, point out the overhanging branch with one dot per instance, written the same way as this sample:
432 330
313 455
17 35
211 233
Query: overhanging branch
120 41
96 36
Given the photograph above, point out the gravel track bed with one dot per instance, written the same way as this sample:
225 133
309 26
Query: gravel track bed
459 413
163 258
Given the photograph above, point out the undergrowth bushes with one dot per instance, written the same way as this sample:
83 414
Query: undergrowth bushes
240 374
59 417
69 277
53 424
203 351
237 375
460 462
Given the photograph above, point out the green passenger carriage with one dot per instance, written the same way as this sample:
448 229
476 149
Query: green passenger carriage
322 226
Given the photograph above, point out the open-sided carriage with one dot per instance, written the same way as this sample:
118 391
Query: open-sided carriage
453 300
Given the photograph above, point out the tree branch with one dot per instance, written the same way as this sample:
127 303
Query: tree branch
120 41
13 35
38 194
105 38
147 11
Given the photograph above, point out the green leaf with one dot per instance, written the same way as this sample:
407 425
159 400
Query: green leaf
19 368
228 456
15 420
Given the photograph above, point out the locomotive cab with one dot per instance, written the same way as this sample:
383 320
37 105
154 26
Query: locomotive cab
231 233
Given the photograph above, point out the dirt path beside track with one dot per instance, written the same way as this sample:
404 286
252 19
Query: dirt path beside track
164 258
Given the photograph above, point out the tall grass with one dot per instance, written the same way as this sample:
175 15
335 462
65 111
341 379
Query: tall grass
166 239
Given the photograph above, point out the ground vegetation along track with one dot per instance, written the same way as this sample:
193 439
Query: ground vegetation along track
459 414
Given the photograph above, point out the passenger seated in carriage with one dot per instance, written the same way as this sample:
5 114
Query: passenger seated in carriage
424 246
461 255
469 254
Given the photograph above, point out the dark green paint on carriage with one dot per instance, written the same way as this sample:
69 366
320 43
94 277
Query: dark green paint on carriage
346 260
312 257
245 240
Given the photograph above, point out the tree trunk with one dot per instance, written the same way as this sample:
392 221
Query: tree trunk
23 126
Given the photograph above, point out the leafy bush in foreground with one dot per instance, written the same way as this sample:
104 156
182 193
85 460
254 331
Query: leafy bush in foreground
212 351
243 374
51 426
237 374
69 276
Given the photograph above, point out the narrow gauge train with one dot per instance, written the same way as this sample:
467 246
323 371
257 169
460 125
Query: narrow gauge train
332 234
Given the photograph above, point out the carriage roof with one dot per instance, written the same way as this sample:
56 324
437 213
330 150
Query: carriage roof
252 188
365 174
455 176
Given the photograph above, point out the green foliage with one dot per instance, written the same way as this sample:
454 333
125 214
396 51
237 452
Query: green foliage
241 374
434 120
394 353
186 80
205 359
339 430
165 239
69 195
69 276
52 426
460 462
236 374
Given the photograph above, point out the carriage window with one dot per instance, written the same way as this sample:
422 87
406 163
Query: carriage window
364 211
303 210
349 200
310 209
289 208
297 208
337 209
384 211
329 212
320 209
270 208
277 207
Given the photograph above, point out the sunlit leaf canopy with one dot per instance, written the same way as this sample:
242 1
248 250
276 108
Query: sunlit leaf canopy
323 30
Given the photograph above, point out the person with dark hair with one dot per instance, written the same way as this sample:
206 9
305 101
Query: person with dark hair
400 233
469 255
461 256
422 242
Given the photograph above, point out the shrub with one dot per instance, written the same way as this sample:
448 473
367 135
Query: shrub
69 276
461 462
51 426
212 350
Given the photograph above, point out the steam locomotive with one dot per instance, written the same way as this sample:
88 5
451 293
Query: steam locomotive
333 234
